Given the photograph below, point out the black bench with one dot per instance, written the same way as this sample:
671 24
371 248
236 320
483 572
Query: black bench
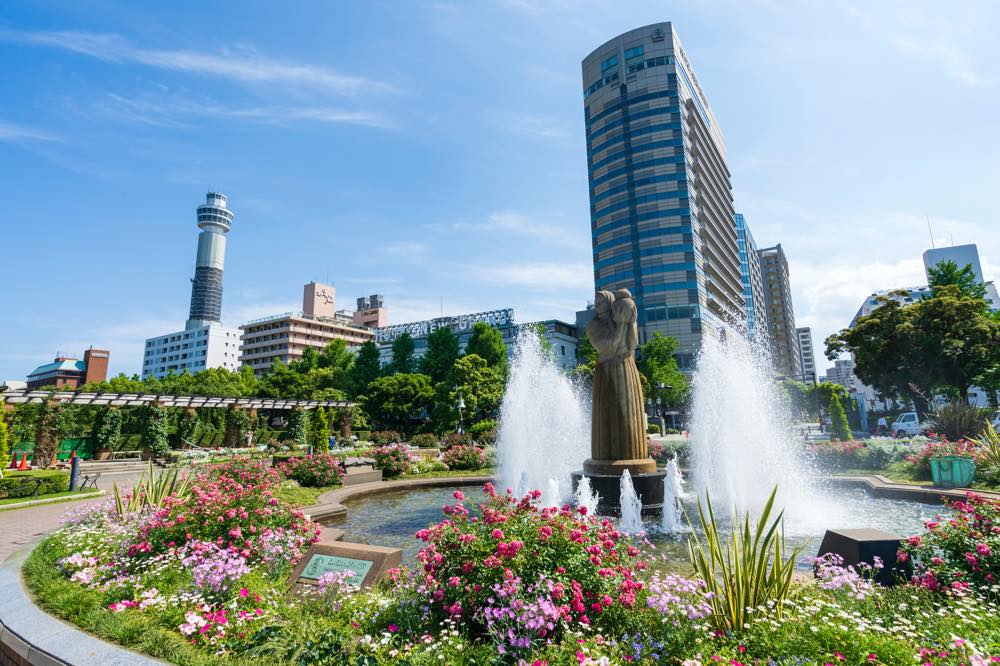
90 480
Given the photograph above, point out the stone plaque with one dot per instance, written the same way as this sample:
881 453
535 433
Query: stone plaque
366 563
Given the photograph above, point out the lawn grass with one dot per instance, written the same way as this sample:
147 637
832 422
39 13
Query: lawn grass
448 473
86 609
297 496
66 496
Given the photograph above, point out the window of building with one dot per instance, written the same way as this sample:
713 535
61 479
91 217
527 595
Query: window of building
633 52
609 63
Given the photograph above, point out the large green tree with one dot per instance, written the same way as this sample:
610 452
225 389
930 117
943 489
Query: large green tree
442 352
366 369
946 342
658 365
487 342
480 387
402 354
945 273
396 401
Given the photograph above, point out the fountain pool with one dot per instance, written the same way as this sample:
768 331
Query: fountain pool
391 519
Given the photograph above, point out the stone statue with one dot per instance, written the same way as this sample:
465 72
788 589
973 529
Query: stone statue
618 434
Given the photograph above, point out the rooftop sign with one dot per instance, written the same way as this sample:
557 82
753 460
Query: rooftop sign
419 329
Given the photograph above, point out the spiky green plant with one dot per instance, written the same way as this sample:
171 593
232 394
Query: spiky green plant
745 571
958 419
151 490
989 447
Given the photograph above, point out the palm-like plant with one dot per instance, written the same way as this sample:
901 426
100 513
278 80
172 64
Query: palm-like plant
958 419
151 490
748 570
989 447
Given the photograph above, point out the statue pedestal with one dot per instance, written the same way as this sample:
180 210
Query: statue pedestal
648 486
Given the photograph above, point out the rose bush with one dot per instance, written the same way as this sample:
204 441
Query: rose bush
936 449
957 551
392 460
465 458
315 471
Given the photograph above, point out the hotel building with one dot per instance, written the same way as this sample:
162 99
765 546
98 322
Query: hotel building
661 203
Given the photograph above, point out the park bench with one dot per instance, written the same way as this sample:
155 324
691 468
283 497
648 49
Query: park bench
90 480
128 456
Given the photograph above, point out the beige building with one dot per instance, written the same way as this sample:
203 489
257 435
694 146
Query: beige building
283 337
780 313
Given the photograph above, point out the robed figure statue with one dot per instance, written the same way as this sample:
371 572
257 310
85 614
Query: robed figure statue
618 434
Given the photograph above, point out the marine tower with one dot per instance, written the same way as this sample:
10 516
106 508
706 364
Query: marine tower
215 220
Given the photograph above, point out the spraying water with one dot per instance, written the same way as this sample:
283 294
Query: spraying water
741 436
631 507
585 497
544 425
673 492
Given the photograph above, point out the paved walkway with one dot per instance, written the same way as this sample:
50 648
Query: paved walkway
19 527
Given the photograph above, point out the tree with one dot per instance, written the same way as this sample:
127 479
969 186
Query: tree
658 365
402 354
108 432
154 430
319 430
188 428
4 439
295 431
479 385
48 434
487 342
442 352
947 272
797 395
397 400
366 369
586 358
838 419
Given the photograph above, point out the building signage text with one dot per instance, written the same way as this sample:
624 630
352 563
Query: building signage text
419 329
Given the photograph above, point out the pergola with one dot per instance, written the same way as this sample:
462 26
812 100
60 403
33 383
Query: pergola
22 396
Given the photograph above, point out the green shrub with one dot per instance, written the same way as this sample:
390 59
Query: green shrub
957 420
465 458
424 441
23 484
4 439
456 439
386 437
363 435
154 431
653 429
108 433
839 427
481 427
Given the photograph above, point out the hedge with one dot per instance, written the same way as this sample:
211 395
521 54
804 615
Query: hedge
23 484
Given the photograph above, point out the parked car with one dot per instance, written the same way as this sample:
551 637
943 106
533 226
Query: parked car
907 424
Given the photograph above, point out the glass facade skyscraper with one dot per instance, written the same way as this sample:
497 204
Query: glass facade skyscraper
753 287
661 201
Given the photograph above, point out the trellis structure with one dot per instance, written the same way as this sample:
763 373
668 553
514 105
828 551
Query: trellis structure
22 396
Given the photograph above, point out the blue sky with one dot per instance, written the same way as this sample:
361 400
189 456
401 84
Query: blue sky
435 151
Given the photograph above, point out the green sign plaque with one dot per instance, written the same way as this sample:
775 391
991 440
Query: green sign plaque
365 563
321 564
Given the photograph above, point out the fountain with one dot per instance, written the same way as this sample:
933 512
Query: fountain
673 493
585 498
618 432
631 506
544 427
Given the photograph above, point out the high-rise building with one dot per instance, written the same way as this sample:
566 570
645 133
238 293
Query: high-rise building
284 337
205 342
962 255
753 283
371 312
780 313
661 205
806 356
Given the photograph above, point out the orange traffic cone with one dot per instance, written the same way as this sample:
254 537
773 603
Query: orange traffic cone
24 463
72 455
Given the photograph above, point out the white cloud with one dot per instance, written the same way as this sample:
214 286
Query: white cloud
530 126
165 112
247 67
509 222
12 132
543 276
957 63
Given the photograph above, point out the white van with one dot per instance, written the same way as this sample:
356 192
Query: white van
907 425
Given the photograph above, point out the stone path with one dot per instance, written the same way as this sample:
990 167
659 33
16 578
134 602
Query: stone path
19 527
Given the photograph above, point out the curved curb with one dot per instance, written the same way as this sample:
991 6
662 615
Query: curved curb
881 486
24 628
330 505
52 500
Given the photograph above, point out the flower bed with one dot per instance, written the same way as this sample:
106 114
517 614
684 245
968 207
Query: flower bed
498 581
465 458
392 460
313 471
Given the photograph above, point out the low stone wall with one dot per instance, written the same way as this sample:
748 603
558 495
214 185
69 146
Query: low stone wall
882 487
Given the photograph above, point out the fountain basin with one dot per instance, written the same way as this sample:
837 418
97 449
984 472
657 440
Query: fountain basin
648 486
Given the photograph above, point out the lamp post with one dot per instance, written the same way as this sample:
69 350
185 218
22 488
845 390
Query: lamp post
461 406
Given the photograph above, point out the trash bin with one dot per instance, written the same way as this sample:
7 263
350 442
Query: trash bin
953 471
